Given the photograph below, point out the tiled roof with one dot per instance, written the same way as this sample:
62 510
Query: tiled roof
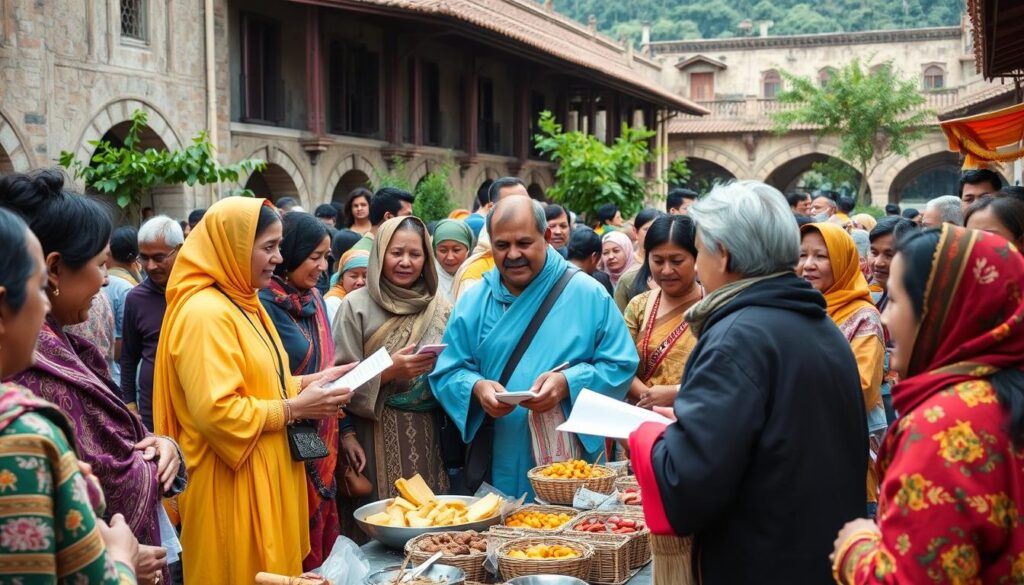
531 24
687 125
989 93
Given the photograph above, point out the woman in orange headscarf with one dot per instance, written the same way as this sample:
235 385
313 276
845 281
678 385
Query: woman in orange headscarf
829 261
224 392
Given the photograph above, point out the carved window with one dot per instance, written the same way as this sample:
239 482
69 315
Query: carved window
133 20
771 84
702 87
934 77
354 89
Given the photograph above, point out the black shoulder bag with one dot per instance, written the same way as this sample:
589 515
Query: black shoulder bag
480 451
303 439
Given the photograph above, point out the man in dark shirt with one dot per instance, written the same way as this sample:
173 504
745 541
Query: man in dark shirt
160 238
584 251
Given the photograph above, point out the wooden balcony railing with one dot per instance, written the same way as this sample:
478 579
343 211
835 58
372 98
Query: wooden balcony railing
760 108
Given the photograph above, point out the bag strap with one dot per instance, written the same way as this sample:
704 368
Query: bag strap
535 323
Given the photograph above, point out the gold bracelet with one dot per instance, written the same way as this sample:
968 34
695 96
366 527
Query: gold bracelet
844 549
287 411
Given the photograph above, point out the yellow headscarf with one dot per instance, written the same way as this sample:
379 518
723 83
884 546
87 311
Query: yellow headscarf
849 291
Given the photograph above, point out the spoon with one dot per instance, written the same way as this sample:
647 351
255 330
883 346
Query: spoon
413 574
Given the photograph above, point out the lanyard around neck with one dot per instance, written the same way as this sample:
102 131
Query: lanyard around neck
268 341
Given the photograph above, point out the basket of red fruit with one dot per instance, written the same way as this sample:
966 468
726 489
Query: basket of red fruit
629 524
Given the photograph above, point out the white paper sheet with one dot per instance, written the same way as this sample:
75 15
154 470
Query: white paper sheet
515 397
364 372
598 415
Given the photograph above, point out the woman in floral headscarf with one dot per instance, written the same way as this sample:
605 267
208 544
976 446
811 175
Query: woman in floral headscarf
952 481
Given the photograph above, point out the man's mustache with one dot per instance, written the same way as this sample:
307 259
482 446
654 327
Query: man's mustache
520 263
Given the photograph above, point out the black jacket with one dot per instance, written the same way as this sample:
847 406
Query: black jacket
769 457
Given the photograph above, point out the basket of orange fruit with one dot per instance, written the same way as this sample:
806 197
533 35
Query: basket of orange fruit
544 555
558 483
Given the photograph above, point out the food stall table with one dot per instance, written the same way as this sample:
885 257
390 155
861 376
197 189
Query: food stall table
380 556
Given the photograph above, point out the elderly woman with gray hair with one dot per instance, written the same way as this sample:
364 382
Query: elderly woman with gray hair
767 454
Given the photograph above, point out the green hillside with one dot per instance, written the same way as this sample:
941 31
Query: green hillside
694 19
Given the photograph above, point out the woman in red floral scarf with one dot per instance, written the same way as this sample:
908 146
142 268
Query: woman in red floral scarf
953 465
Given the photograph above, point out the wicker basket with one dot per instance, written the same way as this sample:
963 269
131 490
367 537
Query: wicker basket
546 510
639 542
562 491
622 483
579 567
612 556
472 564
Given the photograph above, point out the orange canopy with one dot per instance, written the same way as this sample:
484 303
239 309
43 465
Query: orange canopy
980 137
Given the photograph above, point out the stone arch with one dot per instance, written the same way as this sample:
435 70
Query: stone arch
543 180
483 174
273 183
887 174
804 145
348 182
347 164
930 176
705 173
118 111
282 177
112 123
14 154
718 156
786 176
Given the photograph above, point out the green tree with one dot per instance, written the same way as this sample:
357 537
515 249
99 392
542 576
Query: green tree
803 19
677 173
873 114
396 177
127 173
591 173
434 195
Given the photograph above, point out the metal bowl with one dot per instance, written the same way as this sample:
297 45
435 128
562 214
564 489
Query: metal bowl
446 574
397 536
545 580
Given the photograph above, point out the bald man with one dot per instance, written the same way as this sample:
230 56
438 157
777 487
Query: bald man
481 260
583 328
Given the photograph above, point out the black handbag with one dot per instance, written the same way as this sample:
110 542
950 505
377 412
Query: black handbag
480 451
304 441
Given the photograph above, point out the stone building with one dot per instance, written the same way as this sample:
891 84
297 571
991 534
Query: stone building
737 79
328 93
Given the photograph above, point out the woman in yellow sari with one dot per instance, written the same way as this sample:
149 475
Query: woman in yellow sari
829 262
655 318
224 392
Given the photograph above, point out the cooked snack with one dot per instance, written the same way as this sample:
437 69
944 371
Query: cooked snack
537 520
544 551
613 524
418 507
454 544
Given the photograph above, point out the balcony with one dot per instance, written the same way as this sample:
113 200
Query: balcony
758 109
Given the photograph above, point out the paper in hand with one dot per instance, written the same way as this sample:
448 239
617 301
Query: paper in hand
515 397
600 416
364 372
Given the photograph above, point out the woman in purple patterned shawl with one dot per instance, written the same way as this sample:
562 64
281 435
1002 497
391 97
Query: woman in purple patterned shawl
135 468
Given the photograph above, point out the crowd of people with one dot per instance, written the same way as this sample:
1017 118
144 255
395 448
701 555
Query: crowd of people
846 392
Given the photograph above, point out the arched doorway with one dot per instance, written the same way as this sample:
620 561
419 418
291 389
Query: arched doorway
705 174
537 192
926 178
147 139
800 174
273 183
349 182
